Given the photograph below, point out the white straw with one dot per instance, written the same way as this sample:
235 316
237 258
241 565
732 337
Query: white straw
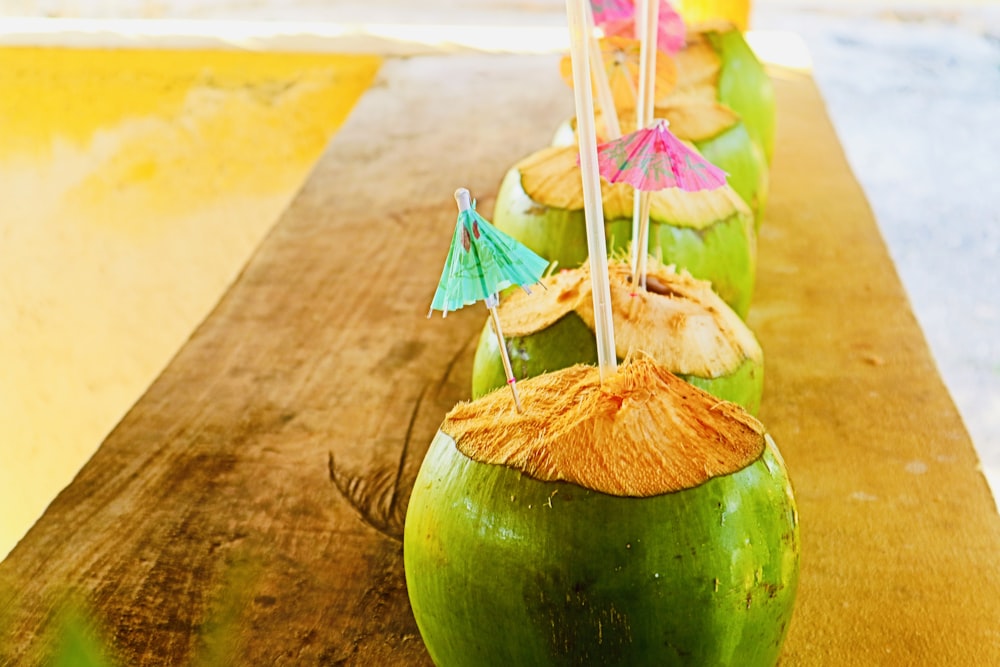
592 204
612 128
648 18
647 63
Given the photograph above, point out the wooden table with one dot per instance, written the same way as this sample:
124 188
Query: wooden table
248 509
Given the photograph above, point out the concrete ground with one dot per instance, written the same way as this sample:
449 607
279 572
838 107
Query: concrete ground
913 89
914 92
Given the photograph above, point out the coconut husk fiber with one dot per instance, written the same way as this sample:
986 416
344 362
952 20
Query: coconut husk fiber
677 320
641 432
698 69
621 63
551 176
691 119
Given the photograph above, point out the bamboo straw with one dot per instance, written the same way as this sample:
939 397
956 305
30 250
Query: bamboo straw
592 203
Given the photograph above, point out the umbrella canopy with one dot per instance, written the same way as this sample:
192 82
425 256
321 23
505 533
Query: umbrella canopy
611 10
654 159
617 18
691 119
481 261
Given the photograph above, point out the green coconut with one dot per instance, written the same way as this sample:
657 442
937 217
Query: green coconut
709 233
677 320
718 64
638 521
716 131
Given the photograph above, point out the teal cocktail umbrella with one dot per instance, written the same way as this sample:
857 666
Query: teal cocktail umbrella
481 262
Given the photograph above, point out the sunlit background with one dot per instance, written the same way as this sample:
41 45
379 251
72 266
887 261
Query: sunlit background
135 184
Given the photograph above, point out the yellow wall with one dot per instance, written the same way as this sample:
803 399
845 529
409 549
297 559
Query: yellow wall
133 187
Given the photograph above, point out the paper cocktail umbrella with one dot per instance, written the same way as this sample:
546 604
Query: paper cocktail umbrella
606 11
618 18
715 130
709 232
481 262
654 159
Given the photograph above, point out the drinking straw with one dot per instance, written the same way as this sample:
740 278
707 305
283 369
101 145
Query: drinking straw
612 128
592 203
647 24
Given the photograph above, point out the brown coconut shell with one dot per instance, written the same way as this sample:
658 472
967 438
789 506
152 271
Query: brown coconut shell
640 432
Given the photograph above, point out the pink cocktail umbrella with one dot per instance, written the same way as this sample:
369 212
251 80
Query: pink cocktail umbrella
611 10
618 18
652 159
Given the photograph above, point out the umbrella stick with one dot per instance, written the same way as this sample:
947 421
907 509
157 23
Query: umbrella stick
605 100
647 24
503 355
639 269
637 227
592 203
647 62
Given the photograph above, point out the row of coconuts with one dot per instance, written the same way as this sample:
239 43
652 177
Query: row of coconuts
646 518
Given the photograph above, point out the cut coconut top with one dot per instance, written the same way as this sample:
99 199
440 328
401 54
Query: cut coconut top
621 56
678 319
691 118
551 177
695 119
642 432
698 68
699 63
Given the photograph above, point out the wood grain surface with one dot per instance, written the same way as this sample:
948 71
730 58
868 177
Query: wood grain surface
900 531
248 509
